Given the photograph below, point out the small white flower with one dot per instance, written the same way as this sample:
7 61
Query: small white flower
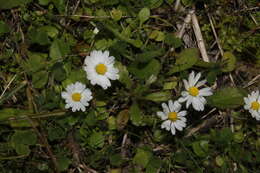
193 95
95 31
172 116
252 104
77 96
99 67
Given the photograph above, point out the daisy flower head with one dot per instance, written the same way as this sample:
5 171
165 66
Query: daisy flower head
252 104
100 69
77 96
193 95
172 116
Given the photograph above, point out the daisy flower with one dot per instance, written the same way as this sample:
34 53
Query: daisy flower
100 69
172 116
193 95
252 104
77 96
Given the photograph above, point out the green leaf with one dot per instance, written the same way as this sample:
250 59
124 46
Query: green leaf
116 159
229 62
157 35
152 68
116 14
56 133
96 140
35 62
144 14
122 119
142 157
219 161
239 137
59 49
22 149
39 36
40 79
26 137
187 58
158 96
124 77
60 5
44 2
74 76
153 3
50 30
154 165
111 121
59 72
169 85
149 55
135 114
63 163
13 3
197 149
227 98
172 40
4 28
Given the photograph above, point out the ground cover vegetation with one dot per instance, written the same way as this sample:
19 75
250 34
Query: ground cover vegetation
129 86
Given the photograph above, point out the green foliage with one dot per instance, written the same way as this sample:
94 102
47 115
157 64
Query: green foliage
4 28
43 44
59 49
21 140
227 98
186 59
229 62
13 3
144 15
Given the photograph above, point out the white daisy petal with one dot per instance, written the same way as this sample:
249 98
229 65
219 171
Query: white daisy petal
100 69
173 131
205 92
77 96
178 126
186 84
191 79
162 115
174 118
252 104
201 83
196 79
166 125
165 108
171 106
193 95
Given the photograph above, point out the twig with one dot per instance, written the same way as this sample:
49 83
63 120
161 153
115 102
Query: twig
123 152
8 85
37 116
8 95
215 33
46 144
199 37
206 124
231 118
252 81
177 4
186 22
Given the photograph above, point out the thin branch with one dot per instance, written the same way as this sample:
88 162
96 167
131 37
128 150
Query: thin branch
186 22
199 37
215 33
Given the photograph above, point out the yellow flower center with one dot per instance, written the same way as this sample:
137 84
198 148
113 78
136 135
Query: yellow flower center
101 69
76 97
194 91
173 116
255 105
